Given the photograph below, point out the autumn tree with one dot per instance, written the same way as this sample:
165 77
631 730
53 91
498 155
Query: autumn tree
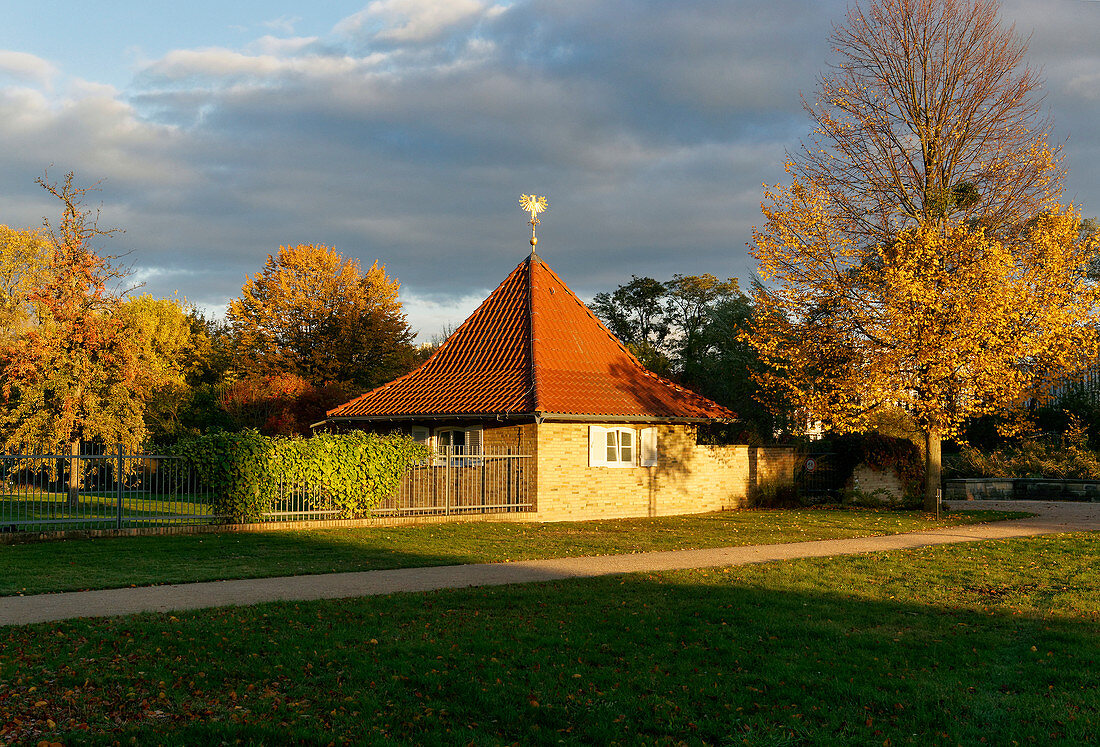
23 257
281 404
313 314
174 354
73 375
919 257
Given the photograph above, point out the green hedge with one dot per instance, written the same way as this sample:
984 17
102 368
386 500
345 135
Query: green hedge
352 471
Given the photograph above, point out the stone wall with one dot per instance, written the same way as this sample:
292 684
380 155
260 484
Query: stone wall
868 480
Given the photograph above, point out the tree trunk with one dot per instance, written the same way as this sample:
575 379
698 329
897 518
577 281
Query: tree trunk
74 477
932 465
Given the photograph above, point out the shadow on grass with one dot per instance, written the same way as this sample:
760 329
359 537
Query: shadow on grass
807 652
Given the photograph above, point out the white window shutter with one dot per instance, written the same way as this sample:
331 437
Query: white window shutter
648 451
597 446
475 440
475 445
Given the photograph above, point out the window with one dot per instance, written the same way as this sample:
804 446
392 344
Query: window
619 447
458 441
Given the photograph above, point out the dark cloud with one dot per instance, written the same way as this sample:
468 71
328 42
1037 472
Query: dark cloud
407 134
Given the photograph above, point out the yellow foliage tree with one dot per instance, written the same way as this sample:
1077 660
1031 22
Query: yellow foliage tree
919 257
169 348
23 258
312 313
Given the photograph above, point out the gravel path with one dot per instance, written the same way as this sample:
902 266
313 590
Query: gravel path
1051 517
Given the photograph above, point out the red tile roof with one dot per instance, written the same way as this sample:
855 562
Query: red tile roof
532 348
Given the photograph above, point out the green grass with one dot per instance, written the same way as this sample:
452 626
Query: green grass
96 507
996 641
119 562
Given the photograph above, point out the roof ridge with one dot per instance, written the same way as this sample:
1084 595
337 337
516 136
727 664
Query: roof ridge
532 369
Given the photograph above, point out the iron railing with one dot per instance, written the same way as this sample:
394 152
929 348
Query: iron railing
452 481
90 489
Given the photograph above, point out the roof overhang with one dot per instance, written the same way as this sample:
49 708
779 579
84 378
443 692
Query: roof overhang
430 416
538 417
568 417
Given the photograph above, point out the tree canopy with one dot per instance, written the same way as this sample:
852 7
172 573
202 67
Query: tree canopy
74 374
23 257
313 314
919 257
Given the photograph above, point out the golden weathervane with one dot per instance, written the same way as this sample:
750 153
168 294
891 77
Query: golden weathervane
534 205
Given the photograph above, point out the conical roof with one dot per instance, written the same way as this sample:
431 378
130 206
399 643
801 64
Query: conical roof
532 348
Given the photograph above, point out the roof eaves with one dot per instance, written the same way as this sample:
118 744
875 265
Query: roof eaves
577 418
432 416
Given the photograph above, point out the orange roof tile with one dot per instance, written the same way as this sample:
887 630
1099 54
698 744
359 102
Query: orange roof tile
532 348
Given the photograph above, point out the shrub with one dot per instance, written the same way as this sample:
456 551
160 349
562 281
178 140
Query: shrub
1067 457
353 472
773 494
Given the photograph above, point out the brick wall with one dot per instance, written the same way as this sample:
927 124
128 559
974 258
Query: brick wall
688 478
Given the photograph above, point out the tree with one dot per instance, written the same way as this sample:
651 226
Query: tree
174 355
930 117
73 375
280 405
690 311
689 328
919 257
312 313
635 311
727 370
23 256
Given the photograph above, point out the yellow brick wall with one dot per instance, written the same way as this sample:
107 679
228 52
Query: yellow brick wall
688 478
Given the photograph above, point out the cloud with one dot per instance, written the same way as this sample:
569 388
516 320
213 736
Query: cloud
432 315
410 20
27 68
285 24
407 133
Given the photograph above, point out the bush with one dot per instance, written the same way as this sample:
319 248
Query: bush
353 472
773 494
1067 457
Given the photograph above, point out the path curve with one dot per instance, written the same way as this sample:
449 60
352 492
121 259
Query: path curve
1051 518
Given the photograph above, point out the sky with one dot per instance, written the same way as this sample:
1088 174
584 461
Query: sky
404 131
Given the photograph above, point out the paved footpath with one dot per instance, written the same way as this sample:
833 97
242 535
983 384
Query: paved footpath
1051 517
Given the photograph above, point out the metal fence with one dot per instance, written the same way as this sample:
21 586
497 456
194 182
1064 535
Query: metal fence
816 476
96 489
455 482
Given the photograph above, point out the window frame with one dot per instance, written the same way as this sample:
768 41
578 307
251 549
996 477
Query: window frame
605 441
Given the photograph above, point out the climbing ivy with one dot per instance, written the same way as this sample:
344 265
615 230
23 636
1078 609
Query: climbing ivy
879 452
246 471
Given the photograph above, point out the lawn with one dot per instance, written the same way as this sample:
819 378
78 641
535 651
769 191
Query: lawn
119 562
95 509
996 641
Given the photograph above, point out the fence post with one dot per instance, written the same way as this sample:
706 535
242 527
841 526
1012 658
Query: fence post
118 486
74 478
447 480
